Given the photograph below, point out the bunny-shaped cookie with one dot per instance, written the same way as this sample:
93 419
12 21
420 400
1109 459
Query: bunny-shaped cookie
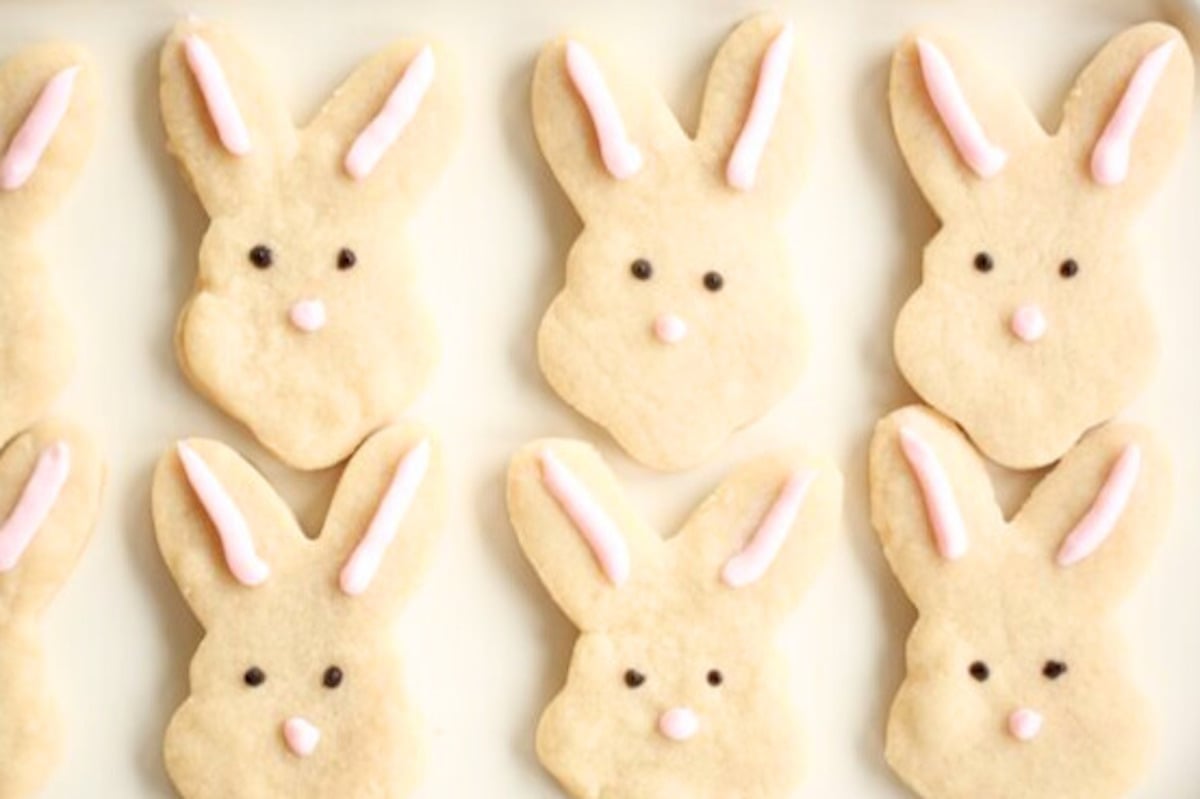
1017 686
1030 325
305 323
47 124
674 689
296 689
50 480
679 321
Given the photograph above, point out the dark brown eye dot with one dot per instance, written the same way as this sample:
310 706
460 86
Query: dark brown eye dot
261 256
1069 268
980 671
346 258
715 678
984 262
641 269
634 678
333 677
254 677
1054 669
713 281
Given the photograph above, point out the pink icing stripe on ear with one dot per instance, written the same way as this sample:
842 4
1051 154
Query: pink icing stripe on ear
621 158
218 95
949 530
597 527
31 140
35 503
364 562
237 543
983 157
399 109
1097 524
1110 159
742 168
749 565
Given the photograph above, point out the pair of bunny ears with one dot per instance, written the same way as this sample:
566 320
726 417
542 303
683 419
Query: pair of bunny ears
950 529
1110 156
237 541
608 545
621 156
371 144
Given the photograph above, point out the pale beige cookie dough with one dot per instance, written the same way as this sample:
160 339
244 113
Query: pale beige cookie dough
297 688
679 322
675 688
305 323
50 483
1031 325
48 117
1018 685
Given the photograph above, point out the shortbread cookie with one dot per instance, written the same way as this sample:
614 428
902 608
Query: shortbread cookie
675 688
47 127
1018 685
305 323
1030 325
50 481
679 322
297 689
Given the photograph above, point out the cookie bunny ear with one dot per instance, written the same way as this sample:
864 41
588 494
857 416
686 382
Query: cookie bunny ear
931 499
389 129
582 537
224 123
762 535
385 516
1101 513
1128 115
958 126
47 124
50 482
754 125
220 525
600 129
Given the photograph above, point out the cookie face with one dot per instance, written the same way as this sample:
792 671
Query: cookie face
305 323
47 126
297 688
679 322
1017 683
675 687
50 481
1031 325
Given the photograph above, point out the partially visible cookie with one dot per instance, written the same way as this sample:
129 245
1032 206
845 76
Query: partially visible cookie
305 323
675 688
679 322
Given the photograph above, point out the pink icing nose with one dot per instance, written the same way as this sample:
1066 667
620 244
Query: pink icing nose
1028 323
679 723
308 315
1025 724
302 736
670 329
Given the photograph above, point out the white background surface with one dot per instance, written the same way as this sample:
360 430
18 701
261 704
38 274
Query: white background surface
486 648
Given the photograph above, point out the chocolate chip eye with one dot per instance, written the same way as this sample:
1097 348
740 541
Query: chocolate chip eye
713 281
641 269
984 262
980 671
1069 268
333 677
1054 669
346 258
254 677
634 678
715 678
261 256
